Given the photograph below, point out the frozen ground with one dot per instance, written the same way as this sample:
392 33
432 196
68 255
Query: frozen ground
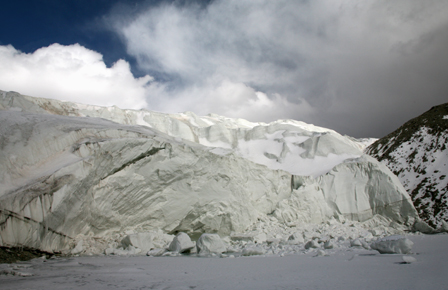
344 269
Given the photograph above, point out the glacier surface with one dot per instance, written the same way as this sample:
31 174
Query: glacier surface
71 172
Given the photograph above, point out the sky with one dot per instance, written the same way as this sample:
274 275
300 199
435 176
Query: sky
362 68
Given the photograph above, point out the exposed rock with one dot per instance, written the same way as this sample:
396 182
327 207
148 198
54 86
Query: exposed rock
417 153
14 254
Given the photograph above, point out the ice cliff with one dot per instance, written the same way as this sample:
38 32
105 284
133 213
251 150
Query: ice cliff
69 169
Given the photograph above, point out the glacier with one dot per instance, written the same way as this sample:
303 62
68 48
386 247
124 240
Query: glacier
71 172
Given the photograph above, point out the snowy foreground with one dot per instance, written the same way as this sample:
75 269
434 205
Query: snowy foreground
346 268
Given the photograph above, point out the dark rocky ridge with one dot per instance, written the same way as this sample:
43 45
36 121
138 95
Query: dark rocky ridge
417 153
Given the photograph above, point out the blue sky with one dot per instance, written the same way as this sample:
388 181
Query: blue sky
360 68
31 24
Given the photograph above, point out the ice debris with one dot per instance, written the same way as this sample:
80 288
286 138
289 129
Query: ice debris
408 259
393 245
312 244
253 251
78 249
156 252
322 239
181 243
210 243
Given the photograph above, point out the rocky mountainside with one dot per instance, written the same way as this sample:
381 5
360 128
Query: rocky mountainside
70 171
417 153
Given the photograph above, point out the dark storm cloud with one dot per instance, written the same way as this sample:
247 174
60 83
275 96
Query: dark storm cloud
361 68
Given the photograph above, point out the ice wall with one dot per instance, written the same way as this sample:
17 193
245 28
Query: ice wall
70 176
63 175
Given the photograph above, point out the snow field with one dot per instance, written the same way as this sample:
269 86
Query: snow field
345 269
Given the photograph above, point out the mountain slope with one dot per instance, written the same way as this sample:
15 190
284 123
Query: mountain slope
417 153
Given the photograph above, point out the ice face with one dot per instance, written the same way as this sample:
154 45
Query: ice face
65 177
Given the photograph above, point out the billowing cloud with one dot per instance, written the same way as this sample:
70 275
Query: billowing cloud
72 73
230 99
362 68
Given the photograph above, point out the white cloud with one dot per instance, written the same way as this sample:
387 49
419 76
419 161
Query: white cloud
71 73
230 99
327 62
75 73
361 68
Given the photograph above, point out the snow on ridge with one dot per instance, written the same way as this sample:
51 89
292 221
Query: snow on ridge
417 154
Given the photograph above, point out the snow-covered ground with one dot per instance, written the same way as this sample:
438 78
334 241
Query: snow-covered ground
345 269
